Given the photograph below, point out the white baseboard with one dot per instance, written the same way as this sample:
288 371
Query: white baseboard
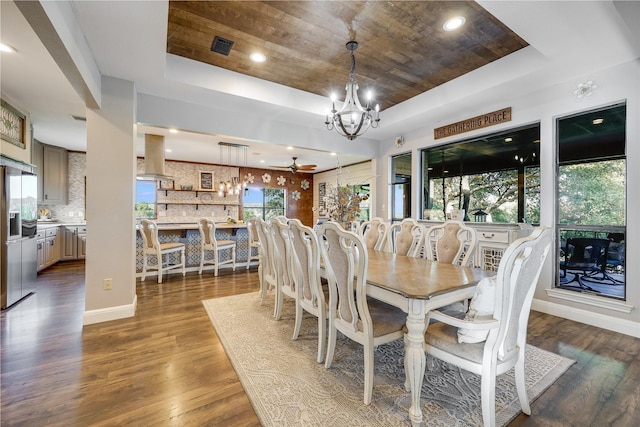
110 313
610 323
239 266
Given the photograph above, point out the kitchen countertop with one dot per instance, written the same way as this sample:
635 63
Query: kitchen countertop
43 225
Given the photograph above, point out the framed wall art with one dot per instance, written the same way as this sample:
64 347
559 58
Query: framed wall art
205 180
12 125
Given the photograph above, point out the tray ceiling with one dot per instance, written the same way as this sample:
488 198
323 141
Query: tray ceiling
403 50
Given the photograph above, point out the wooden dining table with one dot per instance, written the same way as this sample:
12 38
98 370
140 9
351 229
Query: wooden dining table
416 286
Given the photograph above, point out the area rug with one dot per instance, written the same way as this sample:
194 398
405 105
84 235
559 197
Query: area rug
287 387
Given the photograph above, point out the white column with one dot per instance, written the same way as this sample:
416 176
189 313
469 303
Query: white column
111 175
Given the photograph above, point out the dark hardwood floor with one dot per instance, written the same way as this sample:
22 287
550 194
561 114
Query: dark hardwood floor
166 366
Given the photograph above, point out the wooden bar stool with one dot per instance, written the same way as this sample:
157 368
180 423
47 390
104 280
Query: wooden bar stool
209 243
153 249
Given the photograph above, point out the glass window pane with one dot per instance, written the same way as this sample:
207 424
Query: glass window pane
592 193
265 203
145 199
401 168
401 187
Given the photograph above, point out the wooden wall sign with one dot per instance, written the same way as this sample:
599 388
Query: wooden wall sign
478 122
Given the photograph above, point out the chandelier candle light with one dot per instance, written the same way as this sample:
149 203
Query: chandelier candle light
352 120
235 185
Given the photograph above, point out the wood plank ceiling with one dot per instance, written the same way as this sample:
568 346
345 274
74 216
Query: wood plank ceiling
403 50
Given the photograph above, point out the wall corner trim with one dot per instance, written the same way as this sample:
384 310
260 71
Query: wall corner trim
111 313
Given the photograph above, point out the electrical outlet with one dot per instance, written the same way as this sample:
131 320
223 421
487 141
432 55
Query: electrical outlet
108 284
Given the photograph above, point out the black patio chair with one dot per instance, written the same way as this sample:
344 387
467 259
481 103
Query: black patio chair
587 260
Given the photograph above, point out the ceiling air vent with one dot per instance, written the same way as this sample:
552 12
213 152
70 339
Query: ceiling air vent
222 46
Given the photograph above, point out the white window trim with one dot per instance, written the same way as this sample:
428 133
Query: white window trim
592 300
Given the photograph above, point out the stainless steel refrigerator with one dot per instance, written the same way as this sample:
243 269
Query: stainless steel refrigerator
18 229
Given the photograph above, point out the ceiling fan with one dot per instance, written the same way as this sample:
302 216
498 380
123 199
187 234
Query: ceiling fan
296 167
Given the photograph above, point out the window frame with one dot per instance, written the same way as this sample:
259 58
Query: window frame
527 133
400 186
587 230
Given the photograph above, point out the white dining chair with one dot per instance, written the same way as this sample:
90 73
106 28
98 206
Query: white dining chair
374 233
490 345
452 242
405 237
153 250
368 322
305 263
209 243
282 263
266 269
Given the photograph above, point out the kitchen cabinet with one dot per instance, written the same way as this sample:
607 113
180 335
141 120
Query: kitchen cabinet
41 251
48 247
52 170
73 242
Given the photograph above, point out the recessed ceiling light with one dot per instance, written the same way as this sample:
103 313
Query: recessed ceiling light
334 154
167 150
262 161
508 139
454 23
173 130
6 48
289 148
257 57
597 121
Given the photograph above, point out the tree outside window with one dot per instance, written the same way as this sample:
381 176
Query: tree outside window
265 203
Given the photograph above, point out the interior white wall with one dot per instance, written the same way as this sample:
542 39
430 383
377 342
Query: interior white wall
615 84
110 214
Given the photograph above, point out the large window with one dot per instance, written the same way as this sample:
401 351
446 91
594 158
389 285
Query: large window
145 199
265 203
492 178
400 187
591 217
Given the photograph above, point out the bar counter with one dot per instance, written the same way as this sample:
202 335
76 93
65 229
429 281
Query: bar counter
189 234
